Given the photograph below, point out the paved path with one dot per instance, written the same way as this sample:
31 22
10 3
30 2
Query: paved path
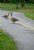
23 20
23 36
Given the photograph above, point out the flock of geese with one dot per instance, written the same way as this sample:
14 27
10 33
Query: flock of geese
12 19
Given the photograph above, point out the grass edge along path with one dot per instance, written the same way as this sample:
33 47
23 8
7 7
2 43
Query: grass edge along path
29 13
6 42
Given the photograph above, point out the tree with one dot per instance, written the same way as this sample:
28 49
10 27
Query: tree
22 3
31 1
4 1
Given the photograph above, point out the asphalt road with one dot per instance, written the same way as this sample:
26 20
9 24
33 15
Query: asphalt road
23 36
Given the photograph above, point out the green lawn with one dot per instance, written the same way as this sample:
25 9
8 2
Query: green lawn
6 43
28 9
8 6
29 13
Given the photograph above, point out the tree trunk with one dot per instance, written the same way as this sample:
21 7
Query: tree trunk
22 3
4 1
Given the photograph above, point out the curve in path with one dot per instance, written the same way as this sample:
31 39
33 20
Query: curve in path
23 36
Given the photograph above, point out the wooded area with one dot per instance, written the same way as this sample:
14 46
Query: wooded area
23 2
14 1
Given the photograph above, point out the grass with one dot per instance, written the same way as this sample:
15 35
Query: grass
6 43
8 6
29 13
28 9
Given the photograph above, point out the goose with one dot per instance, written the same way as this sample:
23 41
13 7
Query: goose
13 19
6 16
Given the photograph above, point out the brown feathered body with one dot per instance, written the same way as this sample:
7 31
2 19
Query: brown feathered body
6 16
13 19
